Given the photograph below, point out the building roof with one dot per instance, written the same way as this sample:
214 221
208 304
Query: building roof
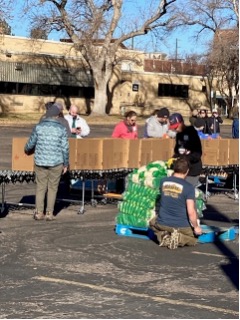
174 67
98 42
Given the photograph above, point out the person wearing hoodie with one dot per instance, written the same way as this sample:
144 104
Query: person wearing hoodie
157 125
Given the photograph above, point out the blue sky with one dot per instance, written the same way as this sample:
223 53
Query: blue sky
186 44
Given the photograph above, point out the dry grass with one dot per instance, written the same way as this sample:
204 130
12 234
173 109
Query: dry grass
33 118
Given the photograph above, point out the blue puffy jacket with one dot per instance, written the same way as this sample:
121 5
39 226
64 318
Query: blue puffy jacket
49 140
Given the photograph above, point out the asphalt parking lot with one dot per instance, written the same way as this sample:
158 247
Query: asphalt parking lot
77 267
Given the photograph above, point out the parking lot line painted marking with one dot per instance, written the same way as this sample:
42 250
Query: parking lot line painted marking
215 255
138 295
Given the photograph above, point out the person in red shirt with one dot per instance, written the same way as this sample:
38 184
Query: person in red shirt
126 129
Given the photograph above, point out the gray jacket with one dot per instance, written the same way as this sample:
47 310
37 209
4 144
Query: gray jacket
155 129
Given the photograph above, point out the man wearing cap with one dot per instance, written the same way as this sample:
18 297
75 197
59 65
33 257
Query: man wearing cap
49 141
157 125
214 121
60 118
188 145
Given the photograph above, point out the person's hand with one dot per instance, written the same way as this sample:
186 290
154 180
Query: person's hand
74 130
78 130
65 169
197 230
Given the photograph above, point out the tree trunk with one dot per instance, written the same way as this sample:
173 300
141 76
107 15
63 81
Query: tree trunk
100 99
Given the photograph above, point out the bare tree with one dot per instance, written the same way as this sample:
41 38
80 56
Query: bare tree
221 18
205 15
223 65
5 16
97 29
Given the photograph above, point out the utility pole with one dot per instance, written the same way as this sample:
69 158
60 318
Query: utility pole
176 50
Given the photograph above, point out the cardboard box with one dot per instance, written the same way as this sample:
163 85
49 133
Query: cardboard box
134 153
89 154
115 153
21 161
223 152
162 149
215 152
145 151
72 153
233 151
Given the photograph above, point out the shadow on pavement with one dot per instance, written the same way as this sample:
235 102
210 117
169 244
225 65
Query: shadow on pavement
231 269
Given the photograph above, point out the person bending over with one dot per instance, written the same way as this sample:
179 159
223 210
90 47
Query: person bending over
176 224
188 145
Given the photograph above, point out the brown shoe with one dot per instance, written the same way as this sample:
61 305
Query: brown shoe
49 216
38 216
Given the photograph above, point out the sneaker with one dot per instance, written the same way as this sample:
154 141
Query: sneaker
174 239
38 216
165 239
49 216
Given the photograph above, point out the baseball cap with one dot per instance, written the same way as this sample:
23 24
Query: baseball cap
53 111
59 105
163 113
175 120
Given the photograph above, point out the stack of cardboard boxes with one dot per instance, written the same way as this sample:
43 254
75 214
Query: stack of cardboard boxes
109 153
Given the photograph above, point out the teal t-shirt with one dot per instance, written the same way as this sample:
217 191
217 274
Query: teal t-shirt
172 210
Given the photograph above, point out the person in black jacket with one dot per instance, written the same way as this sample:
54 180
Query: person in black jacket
188 145
203 122
215 121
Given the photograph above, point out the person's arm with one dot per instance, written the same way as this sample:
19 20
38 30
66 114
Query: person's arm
220 120
192 216
84 128
65 151
31 143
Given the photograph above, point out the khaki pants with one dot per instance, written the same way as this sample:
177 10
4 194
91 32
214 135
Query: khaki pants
186 238
47 180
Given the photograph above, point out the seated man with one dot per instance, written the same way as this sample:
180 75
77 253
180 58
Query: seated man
176 223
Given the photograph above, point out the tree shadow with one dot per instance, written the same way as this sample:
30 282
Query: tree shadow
231 269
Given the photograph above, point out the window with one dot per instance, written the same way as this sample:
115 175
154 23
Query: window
204 89
46 90
172 90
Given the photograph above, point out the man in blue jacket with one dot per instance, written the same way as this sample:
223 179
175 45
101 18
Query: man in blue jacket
49 141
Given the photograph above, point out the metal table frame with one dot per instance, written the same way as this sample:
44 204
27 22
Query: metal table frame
10 177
